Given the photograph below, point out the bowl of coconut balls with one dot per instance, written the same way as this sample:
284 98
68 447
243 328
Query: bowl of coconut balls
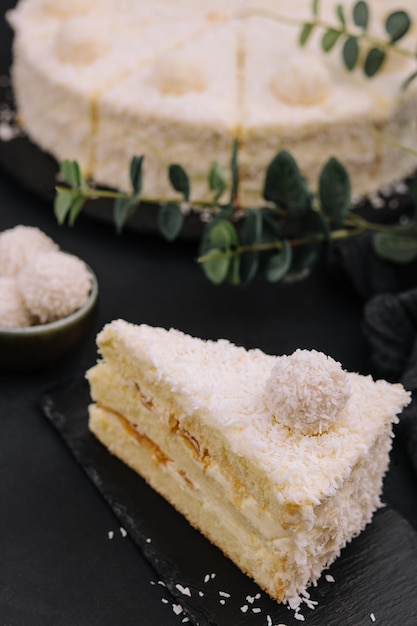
48 300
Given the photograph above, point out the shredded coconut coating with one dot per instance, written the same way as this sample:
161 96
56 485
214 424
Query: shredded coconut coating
13 311
19 244
54 285
307 391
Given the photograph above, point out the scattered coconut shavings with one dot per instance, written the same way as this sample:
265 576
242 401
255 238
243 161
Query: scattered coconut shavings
256 609
244 608
372 617
177 608
329 578
110 534
224 594
184 590
222 601
148 540
123 531
165 601
268 620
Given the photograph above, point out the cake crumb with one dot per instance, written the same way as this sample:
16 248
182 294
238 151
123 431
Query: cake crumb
329 578
244 608
177 608
250 599
222 601
373 618
201 594
224 594
256 609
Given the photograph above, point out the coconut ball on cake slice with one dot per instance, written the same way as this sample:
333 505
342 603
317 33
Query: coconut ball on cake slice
54 285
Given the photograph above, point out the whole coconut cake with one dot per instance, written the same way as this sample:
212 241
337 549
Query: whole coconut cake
100 81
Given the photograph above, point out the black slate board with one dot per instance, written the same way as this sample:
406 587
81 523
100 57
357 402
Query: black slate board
375 577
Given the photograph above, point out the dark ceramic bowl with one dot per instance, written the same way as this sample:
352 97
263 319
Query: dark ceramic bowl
45 345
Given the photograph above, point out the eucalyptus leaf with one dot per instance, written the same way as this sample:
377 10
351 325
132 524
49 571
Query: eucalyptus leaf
329 39
234 170
397 25
285 186
313 225
251 232
71 173
222 235
123 209
217 180
179 180
395 247
360 15
279 263
305 33
350 52
233 274
75 208
335 191
303 257
408 81
62 204
373 62
315 7
249 265
136 174
170 220
216 266
340 14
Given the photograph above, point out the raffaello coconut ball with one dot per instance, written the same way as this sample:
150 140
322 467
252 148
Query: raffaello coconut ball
54 285
19 244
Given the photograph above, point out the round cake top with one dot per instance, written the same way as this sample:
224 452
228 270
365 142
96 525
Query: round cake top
307 391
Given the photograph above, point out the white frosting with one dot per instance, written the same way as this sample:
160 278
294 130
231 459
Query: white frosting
79 42
307 391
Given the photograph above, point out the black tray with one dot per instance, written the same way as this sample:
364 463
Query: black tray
375 577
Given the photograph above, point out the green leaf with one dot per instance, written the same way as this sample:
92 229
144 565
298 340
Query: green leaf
136 174
329 39
334 191
340 14
315 8
217 180
361 15
216 266
222 235
71 173
251 233
285 186
249 265
234 169
123 209
306 31
314 225
408 81
170 220
373 62
279 263
303 257
233 274
62 204
75 208
350 52
397 25
395 247
179 180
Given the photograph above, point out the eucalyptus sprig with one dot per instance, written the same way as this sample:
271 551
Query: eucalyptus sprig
358 47
281 237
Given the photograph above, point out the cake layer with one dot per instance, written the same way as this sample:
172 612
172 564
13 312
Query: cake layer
192 418
177 82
